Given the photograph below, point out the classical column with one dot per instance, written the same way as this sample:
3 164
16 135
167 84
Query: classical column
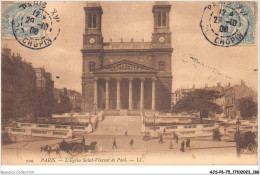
142 94
130 93
107 93
84 96
118 93
153 93
96 92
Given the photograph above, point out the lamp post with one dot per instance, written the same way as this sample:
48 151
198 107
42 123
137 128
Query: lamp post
95 108
238 138
154 121
71 116
238 124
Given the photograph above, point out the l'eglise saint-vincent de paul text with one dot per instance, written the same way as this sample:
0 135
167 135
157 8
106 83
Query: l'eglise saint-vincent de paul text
94 160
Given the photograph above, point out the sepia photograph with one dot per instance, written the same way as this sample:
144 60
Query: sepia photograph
129 83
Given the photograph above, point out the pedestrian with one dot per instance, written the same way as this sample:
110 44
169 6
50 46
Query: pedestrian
177 138
49 151
114 144
237 139
219 137
131 143
188 142
182 146
161 138
83 140
125 132
46 147
164 130
57 151
171 145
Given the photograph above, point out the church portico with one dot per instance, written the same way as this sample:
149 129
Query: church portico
124 93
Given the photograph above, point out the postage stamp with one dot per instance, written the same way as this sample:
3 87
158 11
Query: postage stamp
228 24
30 24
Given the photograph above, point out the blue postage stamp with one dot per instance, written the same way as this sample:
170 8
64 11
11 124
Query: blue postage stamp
30 24
228 24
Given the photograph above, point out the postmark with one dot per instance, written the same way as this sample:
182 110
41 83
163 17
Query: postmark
227 24
31 24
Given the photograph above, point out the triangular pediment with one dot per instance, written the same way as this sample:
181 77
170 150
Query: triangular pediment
124 66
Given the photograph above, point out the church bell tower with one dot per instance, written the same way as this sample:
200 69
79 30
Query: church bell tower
161 36
93 36
92 52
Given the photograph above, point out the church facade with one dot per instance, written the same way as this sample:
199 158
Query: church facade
130 76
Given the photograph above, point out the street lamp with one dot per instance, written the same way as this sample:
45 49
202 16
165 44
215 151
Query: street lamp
95 108
238 124
238 139
154 121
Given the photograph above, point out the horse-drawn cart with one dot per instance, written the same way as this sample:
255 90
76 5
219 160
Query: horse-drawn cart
75 148
246 141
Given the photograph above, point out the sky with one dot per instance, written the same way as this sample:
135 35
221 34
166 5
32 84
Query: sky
135 20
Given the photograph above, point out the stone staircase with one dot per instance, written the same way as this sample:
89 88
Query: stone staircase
116 125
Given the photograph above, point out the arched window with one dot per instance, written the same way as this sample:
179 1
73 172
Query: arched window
161 65
91 66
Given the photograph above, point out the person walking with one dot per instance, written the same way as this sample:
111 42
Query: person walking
182 146
177 138
188 142
161 138
83 140
57 150
132 143
125 132
114 143
49 150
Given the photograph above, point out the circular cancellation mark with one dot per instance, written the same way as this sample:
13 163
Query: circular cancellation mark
223 25
33 27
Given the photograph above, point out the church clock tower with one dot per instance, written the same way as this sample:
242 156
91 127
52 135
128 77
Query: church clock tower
92 50
161 36
93 37
162 54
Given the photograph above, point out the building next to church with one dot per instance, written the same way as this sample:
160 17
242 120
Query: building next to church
66 100
18 87
45 98
233 95
127 76
75 100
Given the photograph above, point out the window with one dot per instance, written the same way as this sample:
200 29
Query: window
91 66
161 19
92 21
26 125
172 127
39 132
161 65
18 130
61 127
208 126
59 133
190 126
43 126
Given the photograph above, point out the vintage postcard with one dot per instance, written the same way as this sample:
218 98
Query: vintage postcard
129 83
